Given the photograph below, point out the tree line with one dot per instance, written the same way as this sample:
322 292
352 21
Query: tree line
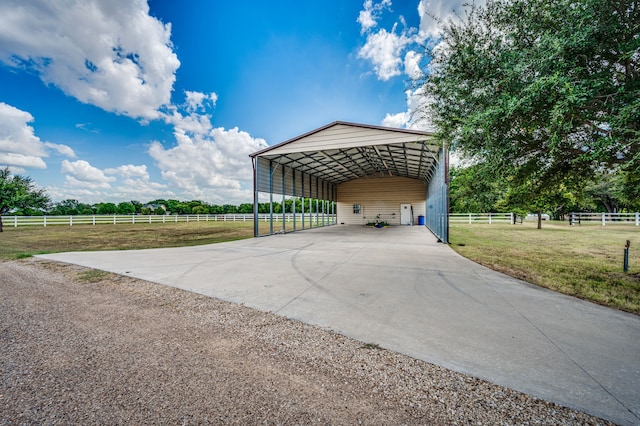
475 189
156 207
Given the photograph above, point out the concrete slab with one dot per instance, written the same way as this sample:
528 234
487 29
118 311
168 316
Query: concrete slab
397 287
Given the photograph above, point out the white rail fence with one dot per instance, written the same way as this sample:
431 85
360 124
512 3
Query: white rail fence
605 219
481 218
18 221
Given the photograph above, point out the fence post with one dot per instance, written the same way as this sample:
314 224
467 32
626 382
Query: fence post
45 221
637 219
489 218
70 220
604 219
15 221
94 220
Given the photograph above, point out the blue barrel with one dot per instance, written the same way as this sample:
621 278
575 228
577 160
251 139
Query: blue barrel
421 220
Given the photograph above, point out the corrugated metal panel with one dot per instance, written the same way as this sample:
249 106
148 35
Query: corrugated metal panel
271 173
340 136
437 219
380 196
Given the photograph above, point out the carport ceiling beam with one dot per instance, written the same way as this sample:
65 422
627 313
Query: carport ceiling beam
393 160
336 163
354 162
373 166
384 163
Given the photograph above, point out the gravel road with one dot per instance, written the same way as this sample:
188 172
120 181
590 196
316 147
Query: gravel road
79 346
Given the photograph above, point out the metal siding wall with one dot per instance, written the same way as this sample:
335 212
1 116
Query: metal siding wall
312 185
379 196
437 218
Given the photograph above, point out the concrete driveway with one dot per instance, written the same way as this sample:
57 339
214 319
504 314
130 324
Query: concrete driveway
397 287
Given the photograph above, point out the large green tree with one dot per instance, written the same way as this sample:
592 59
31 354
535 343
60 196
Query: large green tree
546 93
19 192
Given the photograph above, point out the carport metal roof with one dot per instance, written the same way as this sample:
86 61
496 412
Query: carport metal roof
342 151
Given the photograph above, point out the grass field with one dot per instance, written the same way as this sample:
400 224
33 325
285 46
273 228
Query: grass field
26 241
583 261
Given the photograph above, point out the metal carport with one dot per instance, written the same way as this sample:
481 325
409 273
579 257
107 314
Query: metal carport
313 165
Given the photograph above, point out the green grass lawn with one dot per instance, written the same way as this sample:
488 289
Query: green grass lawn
583 261
26 241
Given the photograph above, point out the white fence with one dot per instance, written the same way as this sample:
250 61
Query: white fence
605 219
16 221
481 218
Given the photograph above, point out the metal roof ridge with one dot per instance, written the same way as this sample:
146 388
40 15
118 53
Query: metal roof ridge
344 123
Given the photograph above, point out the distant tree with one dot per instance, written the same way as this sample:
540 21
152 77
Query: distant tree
475 189
126 208
85 209
228 209
547 93
65 207
159 211
171 205
183 208
614 192
245 208
19 192
137 205
106 208
200 209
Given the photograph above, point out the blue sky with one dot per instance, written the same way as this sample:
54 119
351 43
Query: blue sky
132 100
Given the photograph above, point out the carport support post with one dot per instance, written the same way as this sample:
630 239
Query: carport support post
295 198
270 197
254 160
323 204
284 210
302 201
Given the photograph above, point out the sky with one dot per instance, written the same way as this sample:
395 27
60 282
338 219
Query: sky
119 100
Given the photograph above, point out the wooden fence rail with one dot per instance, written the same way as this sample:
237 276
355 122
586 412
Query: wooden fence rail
17 221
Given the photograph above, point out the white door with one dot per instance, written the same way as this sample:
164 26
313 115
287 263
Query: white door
406 214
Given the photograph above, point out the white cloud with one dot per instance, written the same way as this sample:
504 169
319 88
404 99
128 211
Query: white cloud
111 54
383 49
129 171
91 185
61 149
368 18
21 160
213 166
412 64
399 120
416 116
82 173
197 100
19 146
434 12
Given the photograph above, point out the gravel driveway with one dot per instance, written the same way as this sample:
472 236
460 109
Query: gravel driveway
79 346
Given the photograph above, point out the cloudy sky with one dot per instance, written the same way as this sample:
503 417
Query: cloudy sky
132 100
